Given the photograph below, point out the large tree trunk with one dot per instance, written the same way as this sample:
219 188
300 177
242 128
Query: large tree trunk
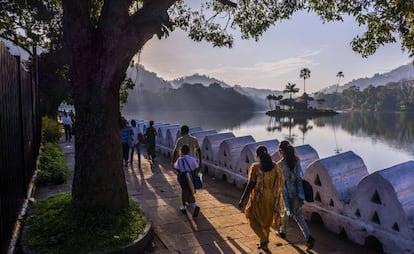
100 52
99 179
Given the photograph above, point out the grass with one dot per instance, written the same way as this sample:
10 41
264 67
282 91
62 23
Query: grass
55 226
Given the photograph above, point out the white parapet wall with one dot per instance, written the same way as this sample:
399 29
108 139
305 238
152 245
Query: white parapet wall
190 130
307 155
210 146
162 133
383 203
228 156
333 179
142 125
248 154
172 134
162 146
199 135
367 208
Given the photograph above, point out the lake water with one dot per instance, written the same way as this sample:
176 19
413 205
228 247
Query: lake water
381 140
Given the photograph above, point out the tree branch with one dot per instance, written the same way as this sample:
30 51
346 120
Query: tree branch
228 3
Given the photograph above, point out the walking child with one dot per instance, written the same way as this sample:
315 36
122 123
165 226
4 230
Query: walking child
186 165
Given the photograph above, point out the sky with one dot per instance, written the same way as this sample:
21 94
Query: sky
277 58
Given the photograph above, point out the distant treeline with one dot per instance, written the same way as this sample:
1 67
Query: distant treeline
395 96
192 97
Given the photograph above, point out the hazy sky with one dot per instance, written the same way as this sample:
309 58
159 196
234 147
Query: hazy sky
277 58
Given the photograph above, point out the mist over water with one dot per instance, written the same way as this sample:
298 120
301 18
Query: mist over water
381 140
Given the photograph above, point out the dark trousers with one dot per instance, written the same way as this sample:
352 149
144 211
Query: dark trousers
125 152
138 148
151 151
68 133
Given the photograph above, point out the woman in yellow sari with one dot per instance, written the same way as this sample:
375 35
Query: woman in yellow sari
261 195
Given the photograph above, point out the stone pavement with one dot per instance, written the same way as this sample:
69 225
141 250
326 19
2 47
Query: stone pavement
220 227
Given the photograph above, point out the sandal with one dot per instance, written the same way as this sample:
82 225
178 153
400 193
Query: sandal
310 243
263 245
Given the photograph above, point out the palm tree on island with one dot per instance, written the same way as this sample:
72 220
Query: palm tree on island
305 74
291 89
340 75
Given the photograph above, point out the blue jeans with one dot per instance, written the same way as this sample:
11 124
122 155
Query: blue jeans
138 148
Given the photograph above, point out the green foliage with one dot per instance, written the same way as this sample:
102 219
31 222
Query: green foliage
30 23
385 21
54 84
126 85
395 96
52 166
51 130
56 226
194 97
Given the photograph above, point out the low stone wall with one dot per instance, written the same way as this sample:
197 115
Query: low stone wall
210 147
248 154
367 208
200 135
229 152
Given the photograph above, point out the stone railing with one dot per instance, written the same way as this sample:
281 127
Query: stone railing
376 208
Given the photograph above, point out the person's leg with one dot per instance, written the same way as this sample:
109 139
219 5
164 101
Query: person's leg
125 150
183 208
70 132
65 127
300 221
131 154
139 154
258 230
284 219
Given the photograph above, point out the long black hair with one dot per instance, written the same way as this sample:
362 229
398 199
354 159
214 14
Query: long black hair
290 155
264 157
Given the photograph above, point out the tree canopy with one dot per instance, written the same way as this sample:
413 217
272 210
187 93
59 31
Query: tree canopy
102 37
39 21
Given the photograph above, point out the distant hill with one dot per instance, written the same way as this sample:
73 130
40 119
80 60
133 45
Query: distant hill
191 97
197 79
404 72
146 80
149 81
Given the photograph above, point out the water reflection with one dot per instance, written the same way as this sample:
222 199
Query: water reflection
395 129
381 140
207 120
304 124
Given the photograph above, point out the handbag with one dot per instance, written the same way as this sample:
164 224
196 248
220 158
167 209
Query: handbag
198 183
308 190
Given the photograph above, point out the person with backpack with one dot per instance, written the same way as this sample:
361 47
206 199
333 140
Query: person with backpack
185 166
293 194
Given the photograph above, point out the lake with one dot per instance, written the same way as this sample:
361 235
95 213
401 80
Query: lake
381 140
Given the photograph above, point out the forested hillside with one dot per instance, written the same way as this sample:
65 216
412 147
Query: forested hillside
194 97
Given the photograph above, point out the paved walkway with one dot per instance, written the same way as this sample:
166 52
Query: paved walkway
220 226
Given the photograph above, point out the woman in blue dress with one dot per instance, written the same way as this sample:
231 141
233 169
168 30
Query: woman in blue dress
293 195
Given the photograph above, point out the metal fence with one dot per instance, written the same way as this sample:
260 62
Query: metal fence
19 139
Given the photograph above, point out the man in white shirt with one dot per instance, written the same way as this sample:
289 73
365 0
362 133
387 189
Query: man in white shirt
135 143
67 124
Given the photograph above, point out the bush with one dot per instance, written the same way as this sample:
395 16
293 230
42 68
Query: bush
52 167
51 130
55 226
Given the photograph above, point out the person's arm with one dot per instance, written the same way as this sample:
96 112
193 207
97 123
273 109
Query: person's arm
246 193
175 153
249 187
200 162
